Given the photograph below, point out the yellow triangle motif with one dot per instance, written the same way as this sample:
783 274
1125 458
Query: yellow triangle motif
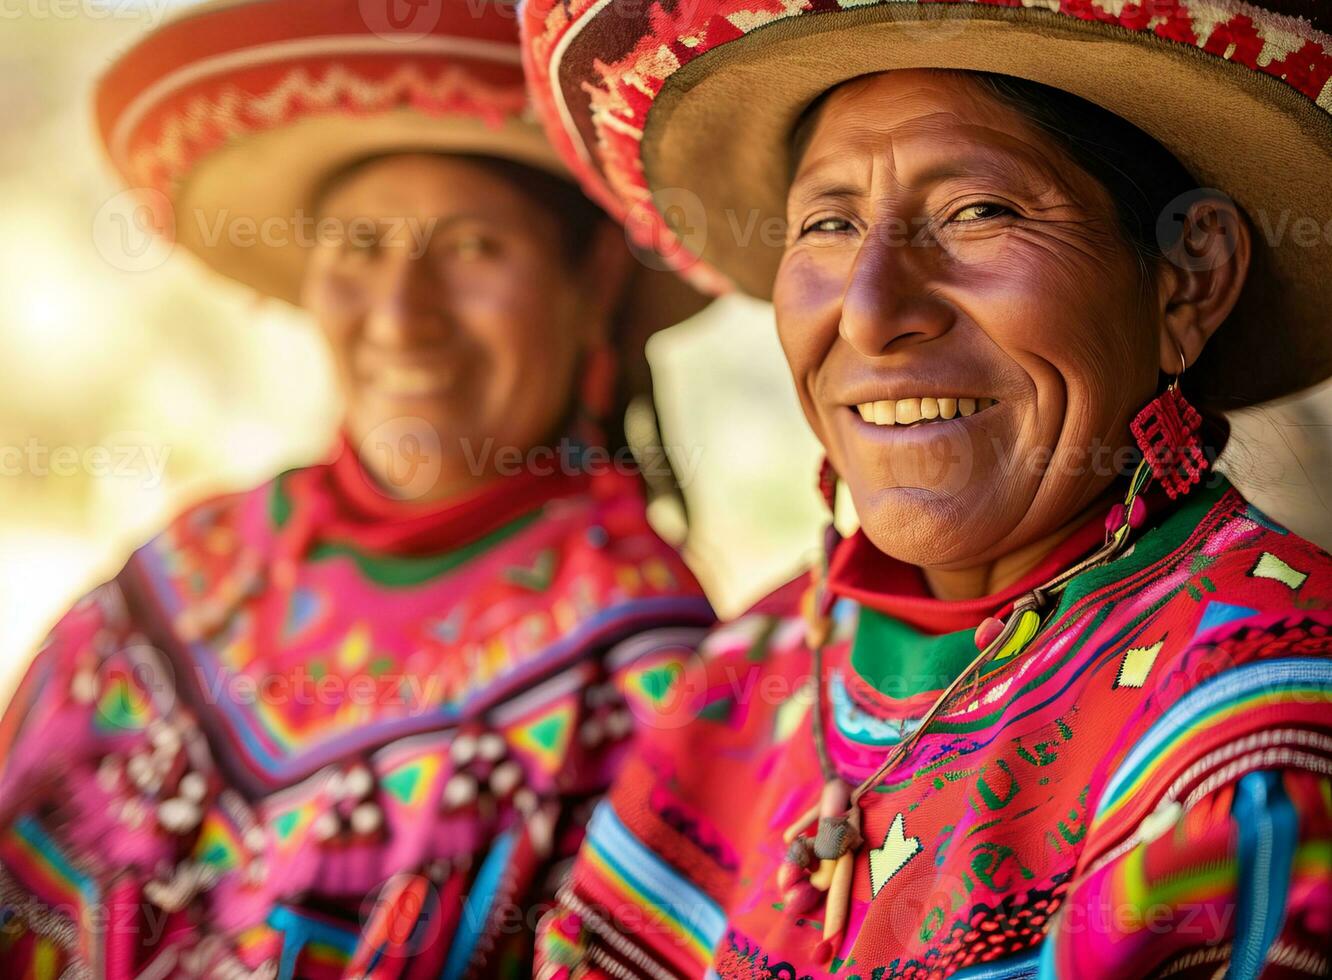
1137 664
1270 566
892 855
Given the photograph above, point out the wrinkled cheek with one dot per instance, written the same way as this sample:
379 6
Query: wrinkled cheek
337 306
807 303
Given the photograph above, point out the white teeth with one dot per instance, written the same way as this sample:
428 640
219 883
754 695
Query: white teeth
402 380
905 411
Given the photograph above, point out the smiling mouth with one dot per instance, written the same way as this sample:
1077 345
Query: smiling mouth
410 382
919 411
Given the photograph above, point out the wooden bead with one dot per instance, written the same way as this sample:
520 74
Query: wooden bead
822 877
839 895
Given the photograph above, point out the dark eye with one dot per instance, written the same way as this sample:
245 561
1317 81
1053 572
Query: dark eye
831 226
981 211
359 244
471 247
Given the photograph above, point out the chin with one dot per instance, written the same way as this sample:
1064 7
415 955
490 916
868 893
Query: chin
923 526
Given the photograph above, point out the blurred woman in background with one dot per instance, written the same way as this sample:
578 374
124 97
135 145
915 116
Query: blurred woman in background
1062 704
348 722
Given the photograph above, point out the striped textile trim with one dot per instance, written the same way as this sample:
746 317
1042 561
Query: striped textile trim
1306 680
277 754
1021 967
57 880
695 921
1268 827
477 906
61 893
320 941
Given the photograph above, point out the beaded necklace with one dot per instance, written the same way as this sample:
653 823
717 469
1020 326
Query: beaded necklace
823 864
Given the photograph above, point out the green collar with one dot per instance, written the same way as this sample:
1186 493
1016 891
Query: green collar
900 661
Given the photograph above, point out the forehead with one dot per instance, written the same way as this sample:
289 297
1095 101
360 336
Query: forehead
410 182
915 112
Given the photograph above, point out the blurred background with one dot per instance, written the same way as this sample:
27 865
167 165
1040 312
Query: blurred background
126 395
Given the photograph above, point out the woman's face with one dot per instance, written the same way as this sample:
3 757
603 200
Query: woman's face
968 332
454 321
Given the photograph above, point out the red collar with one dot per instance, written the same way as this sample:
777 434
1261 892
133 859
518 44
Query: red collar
341 502
861 572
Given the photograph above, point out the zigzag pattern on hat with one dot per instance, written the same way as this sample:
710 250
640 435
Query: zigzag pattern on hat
622 89
208 121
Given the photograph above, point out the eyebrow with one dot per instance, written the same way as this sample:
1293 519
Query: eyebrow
838 190
974 163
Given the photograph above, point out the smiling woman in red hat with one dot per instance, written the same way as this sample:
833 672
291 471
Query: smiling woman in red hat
1063 704
350 722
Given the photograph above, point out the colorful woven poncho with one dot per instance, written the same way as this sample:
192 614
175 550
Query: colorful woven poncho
310 731
1143 791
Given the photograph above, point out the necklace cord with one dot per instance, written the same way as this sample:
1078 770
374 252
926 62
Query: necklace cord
1037 600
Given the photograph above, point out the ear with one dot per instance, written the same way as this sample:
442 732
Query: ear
1204 274
605 272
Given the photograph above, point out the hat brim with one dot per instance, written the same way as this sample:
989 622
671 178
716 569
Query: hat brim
248 210
235 113
1242 132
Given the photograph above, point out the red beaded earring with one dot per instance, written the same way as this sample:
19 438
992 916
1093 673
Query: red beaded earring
828 484
1166 431
596 389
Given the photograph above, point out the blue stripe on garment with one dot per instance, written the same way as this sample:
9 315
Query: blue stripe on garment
477 905
1268 676
299 930
1267 825
28 828
666 889
1021 967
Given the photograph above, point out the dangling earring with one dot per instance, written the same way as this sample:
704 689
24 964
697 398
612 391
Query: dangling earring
1166 431
818 869
828 486
595 395
831 536
596 388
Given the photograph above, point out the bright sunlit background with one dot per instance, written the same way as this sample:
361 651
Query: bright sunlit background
125 396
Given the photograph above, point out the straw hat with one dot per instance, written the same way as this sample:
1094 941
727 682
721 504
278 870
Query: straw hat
683 113
230 117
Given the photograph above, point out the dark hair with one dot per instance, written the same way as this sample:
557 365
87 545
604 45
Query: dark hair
576 217
1141 176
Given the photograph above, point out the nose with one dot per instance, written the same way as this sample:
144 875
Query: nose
888 303
409 301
